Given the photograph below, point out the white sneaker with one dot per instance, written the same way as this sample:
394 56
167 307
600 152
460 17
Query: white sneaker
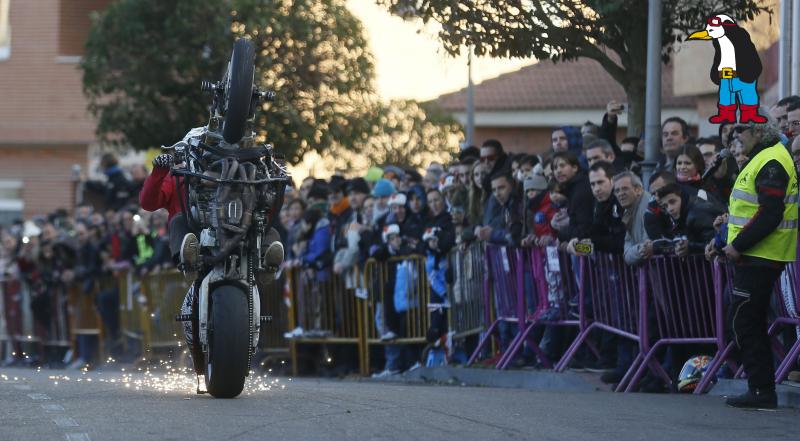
415 367
386 373
190 255
389 335
294 333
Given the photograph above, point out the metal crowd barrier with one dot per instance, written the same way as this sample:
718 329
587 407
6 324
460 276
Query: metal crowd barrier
410 325
326 311
615 289
337 315
465 317
681 307
787 313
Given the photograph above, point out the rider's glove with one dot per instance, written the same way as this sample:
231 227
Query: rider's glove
164 160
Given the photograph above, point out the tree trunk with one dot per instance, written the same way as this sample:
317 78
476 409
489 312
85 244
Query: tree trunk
635 90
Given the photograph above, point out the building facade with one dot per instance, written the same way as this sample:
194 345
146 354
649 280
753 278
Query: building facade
45 128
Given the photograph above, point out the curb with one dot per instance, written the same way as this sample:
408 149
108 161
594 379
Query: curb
574 382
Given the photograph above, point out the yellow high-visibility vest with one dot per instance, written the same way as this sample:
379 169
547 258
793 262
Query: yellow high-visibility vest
781 244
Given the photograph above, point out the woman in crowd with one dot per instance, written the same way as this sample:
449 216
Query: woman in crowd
477 197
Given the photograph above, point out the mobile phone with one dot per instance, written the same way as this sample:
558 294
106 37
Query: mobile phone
584 248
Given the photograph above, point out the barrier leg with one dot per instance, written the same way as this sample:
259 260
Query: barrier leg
627 377
640 371
573 348
519 344
711 372
363 350
486 338
513 348
788 363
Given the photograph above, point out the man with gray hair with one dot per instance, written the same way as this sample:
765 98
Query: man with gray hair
601 150
633 199
762 238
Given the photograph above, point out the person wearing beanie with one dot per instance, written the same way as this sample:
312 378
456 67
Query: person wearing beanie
383 190
318 195
411 227
397 298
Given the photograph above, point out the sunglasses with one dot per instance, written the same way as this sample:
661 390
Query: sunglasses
488 158
740 129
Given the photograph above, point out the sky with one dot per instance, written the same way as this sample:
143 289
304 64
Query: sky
412 64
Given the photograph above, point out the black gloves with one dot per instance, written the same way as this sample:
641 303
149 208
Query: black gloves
164 160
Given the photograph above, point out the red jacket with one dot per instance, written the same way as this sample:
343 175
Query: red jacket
538 218
158 192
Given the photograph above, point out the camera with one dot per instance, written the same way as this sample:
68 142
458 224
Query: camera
666 247
584 248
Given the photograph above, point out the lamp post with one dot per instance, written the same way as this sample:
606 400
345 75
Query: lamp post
652 125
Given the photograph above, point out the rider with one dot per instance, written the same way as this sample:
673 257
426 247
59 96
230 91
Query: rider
159 191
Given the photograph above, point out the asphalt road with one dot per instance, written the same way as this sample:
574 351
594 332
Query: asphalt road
116 405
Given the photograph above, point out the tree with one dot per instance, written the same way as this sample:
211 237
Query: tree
612 32
145 59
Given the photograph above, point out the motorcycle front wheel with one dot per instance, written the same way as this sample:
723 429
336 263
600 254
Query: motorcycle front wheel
228 342
238 91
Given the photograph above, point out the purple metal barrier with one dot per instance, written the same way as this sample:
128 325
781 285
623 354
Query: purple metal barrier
682 308
532 303
615 294
503 287
789 317
567 281
723 280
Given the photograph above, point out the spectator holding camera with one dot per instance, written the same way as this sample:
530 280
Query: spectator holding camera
694 219
504 226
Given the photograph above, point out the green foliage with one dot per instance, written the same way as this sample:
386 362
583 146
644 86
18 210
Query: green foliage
613 32
145 60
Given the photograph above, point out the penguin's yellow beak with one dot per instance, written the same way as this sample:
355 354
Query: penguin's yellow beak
700 35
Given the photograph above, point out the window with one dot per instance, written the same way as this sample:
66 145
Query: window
74 23
5 30
11 203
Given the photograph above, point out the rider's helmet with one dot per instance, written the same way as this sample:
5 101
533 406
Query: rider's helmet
693 370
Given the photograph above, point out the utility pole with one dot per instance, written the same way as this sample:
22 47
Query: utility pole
470 103
784 50
652 124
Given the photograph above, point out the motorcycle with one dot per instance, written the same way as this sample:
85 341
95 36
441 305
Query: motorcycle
233 190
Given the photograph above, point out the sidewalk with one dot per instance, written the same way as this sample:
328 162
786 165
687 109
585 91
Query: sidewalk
788 393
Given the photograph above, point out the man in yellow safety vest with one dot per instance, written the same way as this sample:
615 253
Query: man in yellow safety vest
762 238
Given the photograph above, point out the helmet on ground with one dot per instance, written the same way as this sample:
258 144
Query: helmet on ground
693 370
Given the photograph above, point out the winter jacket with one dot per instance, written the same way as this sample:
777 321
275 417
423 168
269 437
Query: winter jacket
318 253
538 214
635 232
607 231
507 223
579 208
159 192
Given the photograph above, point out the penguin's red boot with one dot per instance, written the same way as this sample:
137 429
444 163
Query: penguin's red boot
726 114
750 113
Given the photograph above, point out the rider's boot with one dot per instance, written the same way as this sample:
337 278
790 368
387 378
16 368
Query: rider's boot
273 257
190 257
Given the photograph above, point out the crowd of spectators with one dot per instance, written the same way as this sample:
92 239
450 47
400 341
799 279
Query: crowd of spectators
585 190
47 259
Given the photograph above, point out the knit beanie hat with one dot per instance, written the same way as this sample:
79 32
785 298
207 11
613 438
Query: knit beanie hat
383 188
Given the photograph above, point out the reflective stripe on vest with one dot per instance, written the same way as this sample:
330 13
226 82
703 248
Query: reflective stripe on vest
741 194
742 221
781 244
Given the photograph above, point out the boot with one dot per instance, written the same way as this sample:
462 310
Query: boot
726 114
190 256
750 113
754 399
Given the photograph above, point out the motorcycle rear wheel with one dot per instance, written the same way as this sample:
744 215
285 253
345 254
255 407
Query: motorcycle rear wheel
239 91
228 342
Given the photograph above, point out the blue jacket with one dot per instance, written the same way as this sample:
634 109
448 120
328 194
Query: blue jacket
318 254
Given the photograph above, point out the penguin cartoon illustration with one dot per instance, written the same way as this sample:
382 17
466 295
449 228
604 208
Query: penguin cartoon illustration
735 69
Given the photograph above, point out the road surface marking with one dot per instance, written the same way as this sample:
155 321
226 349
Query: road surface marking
22 387
65 422
78 437
53 407
39 396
